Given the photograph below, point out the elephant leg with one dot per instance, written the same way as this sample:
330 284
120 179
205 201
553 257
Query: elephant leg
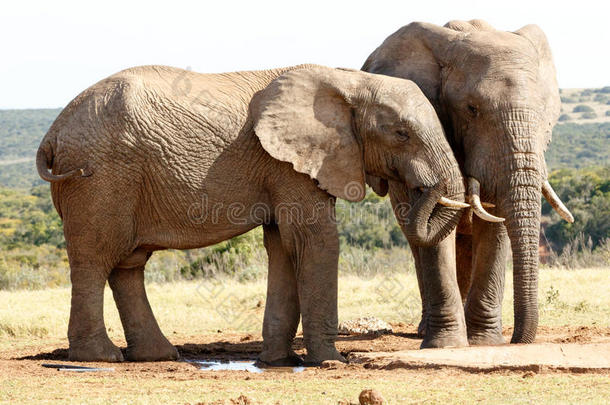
282 306
145 341
86 330
317 273
314 252
445 326
421 328
464 263
484 304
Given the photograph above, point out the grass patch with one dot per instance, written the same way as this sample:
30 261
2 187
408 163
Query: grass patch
567 297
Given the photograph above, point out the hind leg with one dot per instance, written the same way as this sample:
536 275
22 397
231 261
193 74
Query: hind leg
145 341
96 232
86 330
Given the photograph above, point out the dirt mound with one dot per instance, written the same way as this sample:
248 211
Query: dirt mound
566 357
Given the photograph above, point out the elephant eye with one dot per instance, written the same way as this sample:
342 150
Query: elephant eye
473 110
402 134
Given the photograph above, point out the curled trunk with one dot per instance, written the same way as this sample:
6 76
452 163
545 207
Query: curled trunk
428 223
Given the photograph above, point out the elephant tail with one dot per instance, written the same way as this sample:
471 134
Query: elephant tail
44 162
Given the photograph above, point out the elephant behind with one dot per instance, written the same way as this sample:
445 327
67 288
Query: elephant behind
155 158
498 100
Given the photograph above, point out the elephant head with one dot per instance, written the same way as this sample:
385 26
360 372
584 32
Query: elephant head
497 97
344 127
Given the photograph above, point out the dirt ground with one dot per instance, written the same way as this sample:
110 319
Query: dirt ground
233 347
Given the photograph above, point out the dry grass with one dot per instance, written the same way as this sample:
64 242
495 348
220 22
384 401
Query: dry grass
39 319
409 387
567 297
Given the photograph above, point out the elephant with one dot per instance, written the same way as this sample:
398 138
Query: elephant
497 97
156 157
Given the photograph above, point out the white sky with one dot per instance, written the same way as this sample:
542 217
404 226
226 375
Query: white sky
52 50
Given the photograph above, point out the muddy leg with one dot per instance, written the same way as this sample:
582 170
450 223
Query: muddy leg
86 330
484 303
446 326
282 306
145 341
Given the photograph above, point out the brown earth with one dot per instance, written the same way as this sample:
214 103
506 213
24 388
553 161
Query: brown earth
234 346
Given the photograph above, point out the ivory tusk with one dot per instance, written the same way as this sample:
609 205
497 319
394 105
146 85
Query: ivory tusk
556 203
474 191
447 202
488 205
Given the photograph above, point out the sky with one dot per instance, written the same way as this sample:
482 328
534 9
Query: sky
52 50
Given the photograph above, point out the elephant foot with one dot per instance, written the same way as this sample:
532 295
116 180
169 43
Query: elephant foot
431 342
99 348
315 358
159 349
292 360
487 338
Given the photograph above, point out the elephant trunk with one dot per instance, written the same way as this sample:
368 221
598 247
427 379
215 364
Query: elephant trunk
523 227
427 222
520 204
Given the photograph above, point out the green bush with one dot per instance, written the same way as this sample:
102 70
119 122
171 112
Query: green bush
608 113
600 98
582 108
588 115
568 100
586 193
564 117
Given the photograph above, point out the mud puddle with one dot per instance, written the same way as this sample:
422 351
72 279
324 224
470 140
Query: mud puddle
240 365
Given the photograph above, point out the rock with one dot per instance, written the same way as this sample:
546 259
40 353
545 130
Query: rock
370 397
364 326
332 364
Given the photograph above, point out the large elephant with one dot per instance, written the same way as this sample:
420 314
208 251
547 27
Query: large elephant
497 97
156 157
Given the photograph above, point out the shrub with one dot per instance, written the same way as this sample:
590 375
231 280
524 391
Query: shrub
608 113
603 90
600 98
582 108
564 117
568 100
588 115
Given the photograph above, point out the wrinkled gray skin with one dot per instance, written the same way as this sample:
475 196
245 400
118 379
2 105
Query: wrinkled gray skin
159 158
497 97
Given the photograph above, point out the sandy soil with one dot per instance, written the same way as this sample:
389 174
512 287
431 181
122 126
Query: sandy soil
229 346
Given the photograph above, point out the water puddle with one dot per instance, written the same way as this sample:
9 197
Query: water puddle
249 366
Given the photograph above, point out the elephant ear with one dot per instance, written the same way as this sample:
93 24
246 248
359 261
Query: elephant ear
546 74
416 52
305 117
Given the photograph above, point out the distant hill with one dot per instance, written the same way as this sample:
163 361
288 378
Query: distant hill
585 105
581 138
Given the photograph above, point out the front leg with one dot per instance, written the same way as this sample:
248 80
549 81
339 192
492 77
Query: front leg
282 305
313 245
445 323
484 303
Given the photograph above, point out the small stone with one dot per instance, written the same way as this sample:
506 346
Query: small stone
528 374
364 326
370 397
332 364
